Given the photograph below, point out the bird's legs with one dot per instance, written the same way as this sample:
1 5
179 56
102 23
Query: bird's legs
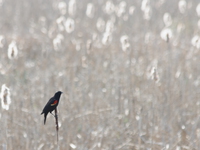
52 114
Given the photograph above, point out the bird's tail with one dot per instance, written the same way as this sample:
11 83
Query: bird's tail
45 117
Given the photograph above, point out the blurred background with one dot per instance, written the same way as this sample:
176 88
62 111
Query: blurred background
129 72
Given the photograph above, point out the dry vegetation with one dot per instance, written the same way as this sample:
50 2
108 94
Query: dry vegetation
129 71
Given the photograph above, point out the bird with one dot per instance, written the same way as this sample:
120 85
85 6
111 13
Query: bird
51 105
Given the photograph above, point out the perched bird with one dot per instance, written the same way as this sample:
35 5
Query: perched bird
51 105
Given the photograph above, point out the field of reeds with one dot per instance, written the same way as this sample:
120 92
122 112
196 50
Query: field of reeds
129 72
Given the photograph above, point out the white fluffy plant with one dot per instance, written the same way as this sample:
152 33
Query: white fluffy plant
12 50
5 97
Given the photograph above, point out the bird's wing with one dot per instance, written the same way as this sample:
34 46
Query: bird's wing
52 101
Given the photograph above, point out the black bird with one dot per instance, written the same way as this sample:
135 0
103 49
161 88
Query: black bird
51 105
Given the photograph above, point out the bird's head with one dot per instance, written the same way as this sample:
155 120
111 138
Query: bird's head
57 94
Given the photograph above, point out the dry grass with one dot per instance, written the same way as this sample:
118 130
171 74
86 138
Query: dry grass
109 99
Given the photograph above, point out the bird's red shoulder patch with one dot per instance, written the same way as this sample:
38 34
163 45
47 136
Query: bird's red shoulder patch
54 103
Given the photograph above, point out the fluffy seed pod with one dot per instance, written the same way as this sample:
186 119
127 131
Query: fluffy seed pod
5 97
12 50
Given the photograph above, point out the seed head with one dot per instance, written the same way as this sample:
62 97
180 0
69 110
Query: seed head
5 97
90 10
131 10
146 8
198 9
89 45
69 25
62 6
121 8
107 38
147 13
196 41
72 7
145 4
60 22
12 50
154 74
110 26
166 34
57 42
124 42
167 19
100 25
182 5
2 40
109 7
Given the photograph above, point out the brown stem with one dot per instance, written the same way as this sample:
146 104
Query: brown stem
56 117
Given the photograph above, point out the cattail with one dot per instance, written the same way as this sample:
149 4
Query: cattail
154 74
198 9
12 50
109 7
77 43
147 13
110 26
60 22
57 42
84 61
145 4
107 38
78 46
131 10
89 45
62 6
124 42
69 25
5 97
198 24
2 40
72 7
73 146
178 73
196 41
152 70
1 2
182 5
100 24
121 8
198 133
167 19
90 10
146 8
166 34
